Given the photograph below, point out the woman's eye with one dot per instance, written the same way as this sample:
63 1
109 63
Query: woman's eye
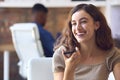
73 24
83 22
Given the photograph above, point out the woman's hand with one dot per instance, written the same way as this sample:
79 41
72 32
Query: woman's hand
72 61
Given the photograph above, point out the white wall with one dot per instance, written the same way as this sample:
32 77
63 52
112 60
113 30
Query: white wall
115 21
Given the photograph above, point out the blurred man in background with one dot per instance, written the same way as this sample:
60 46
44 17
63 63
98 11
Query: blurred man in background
39 12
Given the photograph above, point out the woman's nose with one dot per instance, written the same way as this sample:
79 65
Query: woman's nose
79 27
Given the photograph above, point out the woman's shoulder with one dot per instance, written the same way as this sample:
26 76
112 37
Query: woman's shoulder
58 60
113 52
58 51
113 58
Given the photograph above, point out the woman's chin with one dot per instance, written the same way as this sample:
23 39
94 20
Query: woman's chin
81 40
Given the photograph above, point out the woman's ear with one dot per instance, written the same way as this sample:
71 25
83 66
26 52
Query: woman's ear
97 25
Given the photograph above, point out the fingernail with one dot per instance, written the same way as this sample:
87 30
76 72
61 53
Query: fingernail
76 48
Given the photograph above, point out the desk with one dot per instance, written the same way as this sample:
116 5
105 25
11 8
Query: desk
6 49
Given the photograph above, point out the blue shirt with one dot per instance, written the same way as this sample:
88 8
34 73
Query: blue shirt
47 41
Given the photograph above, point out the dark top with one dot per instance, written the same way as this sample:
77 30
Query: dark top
47 41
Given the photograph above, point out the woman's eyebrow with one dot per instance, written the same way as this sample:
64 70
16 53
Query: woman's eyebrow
83 18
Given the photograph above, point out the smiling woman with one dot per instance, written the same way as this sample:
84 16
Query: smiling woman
83 26
88 36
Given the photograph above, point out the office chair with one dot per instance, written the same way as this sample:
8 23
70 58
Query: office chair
40 69
26 40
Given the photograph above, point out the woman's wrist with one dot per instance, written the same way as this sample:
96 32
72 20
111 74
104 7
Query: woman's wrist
69 74
70 69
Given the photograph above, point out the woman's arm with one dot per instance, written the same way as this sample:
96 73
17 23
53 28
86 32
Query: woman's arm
58 75
61 76
70 66
68 74
71 63
116 71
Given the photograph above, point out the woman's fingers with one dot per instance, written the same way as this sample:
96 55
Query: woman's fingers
63 55
75 55
72 60
77 50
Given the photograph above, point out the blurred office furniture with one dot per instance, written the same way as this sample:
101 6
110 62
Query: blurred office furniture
6 65
111 76
6 49
27 44
117 41
40 69
115 24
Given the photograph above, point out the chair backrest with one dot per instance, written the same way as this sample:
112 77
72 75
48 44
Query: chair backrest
40 69
27 42
111 76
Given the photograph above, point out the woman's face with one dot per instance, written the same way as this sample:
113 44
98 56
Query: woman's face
83 26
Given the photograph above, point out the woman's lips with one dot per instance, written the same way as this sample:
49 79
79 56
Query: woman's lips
80 34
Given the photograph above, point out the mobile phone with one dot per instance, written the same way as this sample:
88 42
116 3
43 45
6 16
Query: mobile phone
70 52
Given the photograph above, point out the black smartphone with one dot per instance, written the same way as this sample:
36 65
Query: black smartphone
70 52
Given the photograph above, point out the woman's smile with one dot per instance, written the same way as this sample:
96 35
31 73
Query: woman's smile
80 34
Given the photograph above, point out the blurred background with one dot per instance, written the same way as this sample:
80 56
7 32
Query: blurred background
15 11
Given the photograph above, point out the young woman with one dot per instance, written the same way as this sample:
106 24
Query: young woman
85 50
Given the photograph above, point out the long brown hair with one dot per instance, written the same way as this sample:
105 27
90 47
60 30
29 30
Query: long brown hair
103 36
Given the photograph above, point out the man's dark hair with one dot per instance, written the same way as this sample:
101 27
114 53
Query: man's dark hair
39 7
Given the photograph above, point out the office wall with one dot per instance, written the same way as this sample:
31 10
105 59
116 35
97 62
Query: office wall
9 16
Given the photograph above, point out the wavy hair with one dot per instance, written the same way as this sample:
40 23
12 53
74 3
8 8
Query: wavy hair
103 36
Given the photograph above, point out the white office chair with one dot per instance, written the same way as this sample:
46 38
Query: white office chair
27 44
111 76
40 69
